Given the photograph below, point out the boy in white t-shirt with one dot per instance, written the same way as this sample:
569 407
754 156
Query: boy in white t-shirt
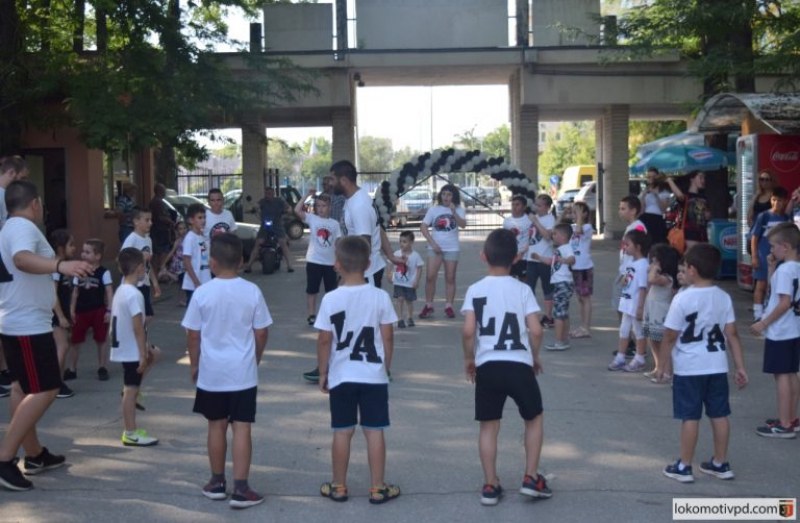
501 338
700 325
631 304
320 256
781 324
354 355
218 219
629 209
561 280
541 244
519 223
195 252
140 239
129 344
405 278
226 328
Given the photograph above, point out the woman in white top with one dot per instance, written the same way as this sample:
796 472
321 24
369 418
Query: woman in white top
654 202
440 228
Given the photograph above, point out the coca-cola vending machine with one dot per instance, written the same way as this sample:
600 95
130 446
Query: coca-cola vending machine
776 153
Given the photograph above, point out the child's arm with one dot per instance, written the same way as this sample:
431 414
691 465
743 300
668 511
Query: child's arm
468 344
109 299
187 266
261 336
754 249
141 342
63 322
386 247
300 206
171 253
654 276
569 260
154 284
461 222
535 335
667 343
640 305
546 233
324 340
193 344
387 335
73 301
732 338
418 276
784 304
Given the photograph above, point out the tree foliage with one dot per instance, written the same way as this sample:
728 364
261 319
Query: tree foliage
644 131
574 146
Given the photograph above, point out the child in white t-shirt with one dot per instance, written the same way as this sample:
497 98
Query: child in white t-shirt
405 278
226 328
629 209
195 252
700 325
583 269
218 219
320 256
501 339
541 244
354 355
631 303
140 239
781 325
129 344
519 223
662 282
562 282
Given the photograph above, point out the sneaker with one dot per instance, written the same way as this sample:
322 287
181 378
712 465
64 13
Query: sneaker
139 438
449 312
649 374
4 392
722 471
776 431
102 374
246 499
535 487
44 461
70 375
684 476
557 346
547 322
5 378
11 478
427 312
616 364
312 376
401 324
411 323
311 320
215 491
491 494
794 425
65 392
634 366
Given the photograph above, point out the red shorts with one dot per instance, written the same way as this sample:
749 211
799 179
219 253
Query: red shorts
93 319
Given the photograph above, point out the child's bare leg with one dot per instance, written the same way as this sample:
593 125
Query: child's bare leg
786 386
759 291
129 407
534 435
61 338
340 452
242 450
794 381
311 304
487 448
399 305
586 311
548 307
641 346
102 354
218 446
655 349
410 307
74 353
622 347
721 429
689 431
562 328
376 455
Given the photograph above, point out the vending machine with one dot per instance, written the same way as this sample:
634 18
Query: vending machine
780 155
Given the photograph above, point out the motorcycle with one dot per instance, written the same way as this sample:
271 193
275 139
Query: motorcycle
270 253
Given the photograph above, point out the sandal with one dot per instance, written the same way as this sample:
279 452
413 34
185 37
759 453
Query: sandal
382 494
579 332
334 491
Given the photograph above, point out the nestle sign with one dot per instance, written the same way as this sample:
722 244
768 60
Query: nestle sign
785 157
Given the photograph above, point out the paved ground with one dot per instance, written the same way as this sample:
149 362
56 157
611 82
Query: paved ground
607 435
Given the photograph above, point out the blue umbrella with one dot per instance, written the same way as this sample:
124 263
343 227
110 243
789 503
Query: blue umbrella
682 159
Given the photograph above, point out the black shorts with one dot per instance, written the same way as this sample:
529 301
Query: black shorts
317 274
539 271
781 357
148 303
367 401
33 361
130 377
235 405
497 380
519 269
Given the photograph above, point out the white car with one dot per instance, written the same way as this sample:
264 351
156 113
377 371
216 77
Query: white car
588 195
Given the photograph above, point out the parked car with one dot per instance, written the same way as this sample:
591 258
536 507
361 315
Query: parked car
564 201
492 195
473 196
588 195
247 232
411 207
291 223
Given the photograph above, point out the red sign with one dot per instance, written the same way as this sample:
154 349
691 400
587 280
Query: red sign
785 157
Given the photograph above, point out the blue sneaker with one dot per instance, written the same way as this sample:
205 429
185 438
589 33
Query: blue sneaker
722 471
491 494
673 471
535 487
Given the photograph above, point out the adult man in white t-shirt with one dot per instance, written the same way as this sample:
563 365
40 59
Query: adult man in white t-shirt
218 220
27 263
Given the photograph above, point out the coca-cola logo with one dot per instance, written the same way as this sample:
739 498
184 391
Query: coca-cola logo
785 157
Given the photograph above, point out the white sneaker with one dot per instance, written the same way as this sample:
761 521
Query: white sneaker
616 364
557 346
139 438
634 366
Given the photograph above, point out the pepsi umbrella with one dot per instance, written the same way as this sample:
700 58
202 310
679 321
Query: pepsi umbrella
682 159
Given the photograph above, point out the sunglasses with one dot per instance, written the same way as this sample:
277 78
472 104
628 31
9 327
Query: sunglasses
765 179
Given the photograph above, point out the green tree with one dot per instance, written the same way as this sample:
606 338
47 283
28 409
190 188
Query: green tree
375 154
498 143
644 131
575 146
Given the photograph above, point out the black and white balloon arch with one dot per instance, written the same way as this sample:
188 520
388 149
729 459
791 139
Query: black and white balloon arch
446 161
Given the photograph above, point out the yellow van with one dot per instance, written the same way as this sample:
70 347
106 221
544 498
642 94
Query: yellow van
576 176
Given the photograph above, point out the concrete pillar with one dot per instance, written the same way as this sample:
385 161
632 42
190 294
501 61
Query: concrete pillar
524 132
254 164
615 164
344 143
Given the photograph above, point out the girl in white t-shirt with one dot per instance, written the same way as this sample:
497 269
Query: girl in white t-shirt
440 227
662 281
583 269
541 245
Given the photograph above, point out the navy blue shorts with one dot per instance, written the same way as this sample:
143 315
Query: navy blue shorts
235 405
497 380
690 394
781 356
367 401
148 303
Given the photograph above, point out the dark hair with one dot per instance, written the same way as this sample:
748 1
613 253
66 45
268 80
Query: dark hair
519 198
195 209
653 170
352 253
59 239
138 212
12 163
780 193
19 195
786 232
705 258
639 238
453 190
214 190
633 202
97 245
226 250
692 175
564 228
668 259
128 259
408 235
500 248
344 169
